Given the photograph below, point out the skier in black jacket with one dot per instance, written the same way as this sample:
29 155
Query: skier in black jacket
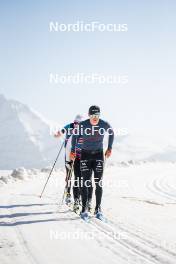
92 131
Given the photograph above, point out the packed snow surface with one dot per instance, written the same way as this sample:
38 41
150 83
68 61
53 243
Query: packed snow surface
139 202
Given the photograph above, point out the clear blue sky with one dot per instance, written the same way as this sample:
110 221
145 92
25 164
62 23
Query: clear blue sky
29 52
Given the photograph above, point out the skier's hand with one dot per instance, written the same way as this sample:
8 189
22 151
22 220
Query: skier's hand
72 155
68 164
108 153
58 134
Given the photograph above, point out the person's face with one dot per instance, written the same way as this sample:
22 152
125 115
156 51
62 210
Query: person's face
76 124
94 119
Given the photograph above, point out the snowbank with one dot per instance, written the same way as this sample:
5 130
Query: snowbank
23 174
17 174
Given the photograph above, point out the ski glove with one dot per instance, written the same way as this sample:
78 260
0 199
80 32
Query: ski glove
108 153
68 164
58 134
72 156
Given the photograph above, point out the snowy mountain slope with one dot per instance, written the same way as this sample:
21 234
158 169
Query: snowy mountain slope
144 148
25 141
25 138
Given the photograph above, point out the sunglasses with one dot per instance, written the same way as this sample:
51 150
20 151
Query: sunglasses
95 116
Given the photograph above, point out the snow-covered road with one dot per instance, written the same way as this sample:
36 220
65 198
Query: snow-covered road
138 201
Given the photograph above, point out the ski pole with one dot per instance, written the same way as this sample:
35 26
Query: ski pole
68 179
52 169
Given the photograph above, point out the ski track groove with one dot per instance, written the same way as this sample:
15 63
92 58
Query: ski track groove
23 243
164 185
150 239
140 245
135 248
156 187
145 238
86 226
159 185
171 187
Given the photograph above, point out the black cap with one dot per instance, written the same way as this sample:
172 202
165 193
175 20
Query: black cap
94 110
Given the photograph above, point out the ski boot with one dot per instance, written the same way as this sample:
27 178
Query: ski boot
98 213
68 199
84 215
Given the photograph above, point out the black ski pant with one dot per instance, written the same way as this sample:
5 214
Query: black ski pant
92 161
77 183
67 177
77 179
